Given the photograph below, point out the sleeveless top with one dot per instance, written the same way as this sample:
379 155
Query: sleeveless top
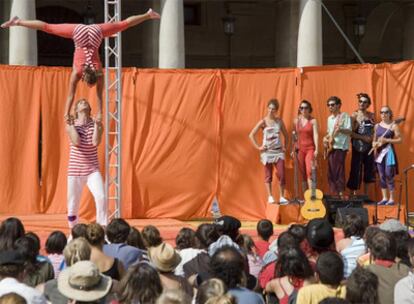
351 253
271 139
113 271
83 158
305 136
365 127
296 287
386 151
87 39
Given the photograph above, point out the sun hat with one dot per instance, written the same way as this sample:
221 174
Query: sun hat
84 282
164 257
392 225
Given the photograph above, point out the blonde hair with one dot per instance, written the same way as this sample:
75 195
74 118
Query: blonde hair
211 289
95 234
174 296
90 76
76 106
223 299
77 250
12 298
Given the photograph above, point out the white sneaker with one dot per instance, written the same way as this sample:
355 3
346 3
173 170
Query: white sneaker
283 201
270 200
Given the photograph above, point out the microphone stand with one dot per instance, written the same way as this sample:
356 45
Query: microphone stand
407 222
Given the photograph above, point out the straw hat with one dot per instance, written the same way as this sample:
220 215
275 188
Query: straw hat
164 257
83 282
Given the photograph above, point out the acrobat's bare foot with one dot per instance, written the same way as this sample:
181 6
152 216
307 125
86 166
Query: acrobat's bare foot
153 14
12 22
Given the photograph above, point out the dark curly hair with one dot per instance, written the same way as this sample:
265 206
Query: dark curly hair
362 286
228 264
186 238
207 234
151 236
10 230
117 231
293 262
353 226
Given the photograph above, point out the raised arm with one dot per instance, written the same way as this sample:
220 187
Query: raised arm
97 133
253 133
72 133
74 79
99 91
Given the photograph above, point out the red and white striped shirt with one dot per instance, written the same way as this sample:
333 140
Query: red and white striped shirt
83 158
88 38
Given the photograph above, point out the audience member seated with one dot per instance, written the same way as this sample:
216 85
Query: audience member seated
174 296
151 236
285 240
228 265
400 234
370 232
248 248
206 235
165 259
35 272
187 245
83 282
362 286
76 250
228 229
107 265
293 271
141 284
79 230
265 232
330 271
12 298
404 289
117 233
10 230
321 238
384 251
333 300
211 291
135 239
55 244
11 272
352 245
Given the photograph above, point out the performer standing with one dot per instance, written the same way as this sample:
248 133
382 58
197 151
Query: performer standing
306 130
272 150
362 161
85 135
386 134
87 38
337 143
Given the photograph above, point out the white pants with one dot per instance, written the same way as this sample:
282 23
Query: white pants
95 184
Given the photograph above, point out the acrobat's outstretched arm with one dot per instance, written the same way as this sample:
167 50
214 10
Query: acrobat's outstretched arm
73 83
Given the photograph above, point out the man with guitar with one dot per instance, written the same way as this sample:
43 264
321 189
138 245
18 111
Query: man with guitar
363 122
386 134
336 144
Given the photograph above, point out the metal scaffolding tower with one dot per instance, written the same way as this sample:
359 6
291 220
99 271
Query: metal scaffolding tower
113 103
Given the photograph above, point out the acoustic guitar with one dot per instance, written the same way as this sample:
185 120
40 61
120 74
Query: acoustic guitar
313 207
330 138
376 145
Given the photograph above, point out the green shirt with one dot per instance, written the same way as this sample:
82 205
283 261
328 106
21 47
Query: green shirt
341 140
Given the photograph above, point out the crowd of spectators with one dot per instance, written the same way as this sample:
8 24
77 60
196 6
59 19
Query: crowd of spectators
214 263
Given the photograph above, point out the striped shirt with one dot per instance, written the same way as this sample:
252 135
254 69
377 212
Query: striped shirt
88 38
83 158
351 253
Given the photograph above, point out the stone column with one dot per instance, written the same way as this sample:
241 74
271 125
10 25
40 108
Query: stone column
151 38
171 44
408 44
310 34
23 41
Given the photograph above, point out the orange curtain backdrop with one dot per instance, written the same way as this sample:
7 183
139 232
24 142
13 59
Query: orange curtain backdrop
19 122
245 95
320 83
169 144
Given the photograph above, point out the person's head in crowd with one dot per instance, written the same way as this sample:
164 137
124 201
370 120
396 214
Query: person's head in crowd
151 236
206 234
353 226
10 230
95 235
213 291
186 238
135 239
12 298
369 234
392 225
292 262
330 268
164 257
264 229
56 242
384 247
298 231
410 250
77 250
333 300
79 230
320 235
141 284
228 264
399 232
246 243
11 264
228 225
362 286
286 240
174 296
83 282
29 250
36 240
117 231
